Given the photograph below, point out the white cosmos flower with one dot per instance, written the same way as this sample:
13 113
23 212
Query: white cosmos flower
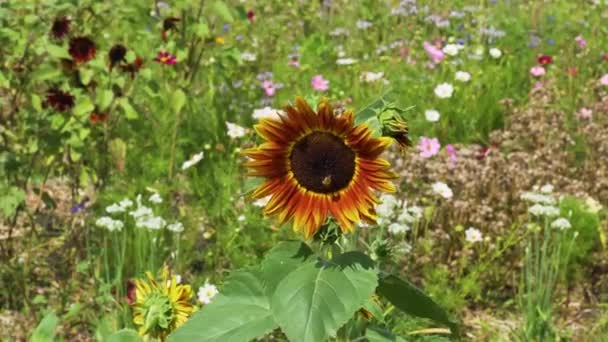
444 90
206 293
473 235
432 115
267 112
495 53
462 76
234 130
442 190
451 49
192 161
561 223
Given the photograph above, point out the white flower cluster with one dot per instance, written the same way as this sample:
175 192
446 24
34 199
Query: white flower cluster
143 216
542 200
397 214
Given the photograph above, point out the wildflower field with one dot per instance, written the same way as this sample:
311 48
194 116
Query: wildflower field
309 171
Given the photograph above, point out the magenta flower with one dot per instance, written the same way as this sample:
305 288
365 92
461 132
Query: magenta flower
451 151
319 83
580 41
269 87
537 71
585 113
604 80
435 54
165 58
428 147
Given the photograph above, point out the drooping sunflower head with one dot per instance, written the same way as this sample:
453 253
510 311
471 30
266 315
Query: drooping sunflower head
161 307
318 164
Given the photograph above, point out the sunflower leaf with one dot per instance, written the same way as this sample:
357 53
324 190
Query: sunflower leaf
315 299
241 312
125 335
281 260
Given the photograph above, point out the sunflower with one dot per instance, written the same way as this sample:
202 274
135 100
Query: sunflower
161 307
317 164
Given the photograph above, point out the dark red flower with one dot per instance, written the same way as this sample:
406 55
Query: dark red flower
605 57
165 58
134 67
59 100
250 15
168 25
82 49
117 54
544 59
131 295
60 27
97 118
485 150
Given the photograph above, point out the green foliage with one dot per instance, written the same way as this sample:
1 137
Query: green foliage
45 331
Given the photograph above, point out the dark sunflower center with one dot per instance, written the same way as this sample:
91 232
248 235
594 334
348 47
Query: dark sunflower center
322 163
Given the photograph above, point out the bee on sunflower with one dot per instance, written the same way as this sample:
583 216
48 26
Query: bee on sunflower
318 164
160 307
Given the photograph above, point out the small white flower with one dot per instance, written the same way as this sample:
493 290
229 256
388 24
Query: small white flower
387 206
241 218
473 235
398 228
346 61
109 223
206 293
248 57
114 208
155 198
546 189
593 206
150 222
368 76
543 210
261 202
451 49
267 112
444 90
176 227
192 161
125 203
537 198
443 190
495 53
561 223
141 211
432 115
462 76
234 130
363 24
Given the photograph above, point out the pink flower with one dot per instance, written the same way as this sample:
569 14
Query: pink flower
581 41
537 71
319 83
451 151
269 87
585 113
604 80
294 63
165 58
428 147
435 54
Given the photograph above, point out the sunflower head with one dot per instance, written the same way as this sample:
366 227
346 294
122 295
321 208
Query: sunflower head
161 307
394 126
318 164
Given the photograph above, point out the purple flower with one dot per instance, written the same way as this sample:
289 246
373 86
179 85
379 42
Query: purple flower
451 151
319 83
580 41
269 87
434 53
428 147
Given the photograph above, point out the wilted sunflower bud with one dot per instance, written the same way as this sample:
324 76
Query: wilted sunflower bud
394 126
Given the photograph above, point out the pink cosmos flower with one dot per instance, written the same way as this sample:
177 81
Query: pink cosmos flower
604 80
319 83
451 151
269 87
581 41
537 71
165 58
585 113
428 147
435 54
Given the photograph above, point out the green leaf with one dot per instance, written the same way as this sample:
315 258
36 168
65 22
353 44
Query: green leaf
374 308
281 260
377 334
201 30
408 298
57 51
314 300
104 99
45 331
36 103
10 199
4 83
83 107
178 100
241 312
124 335
129 111
85 76
46 72
222 11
